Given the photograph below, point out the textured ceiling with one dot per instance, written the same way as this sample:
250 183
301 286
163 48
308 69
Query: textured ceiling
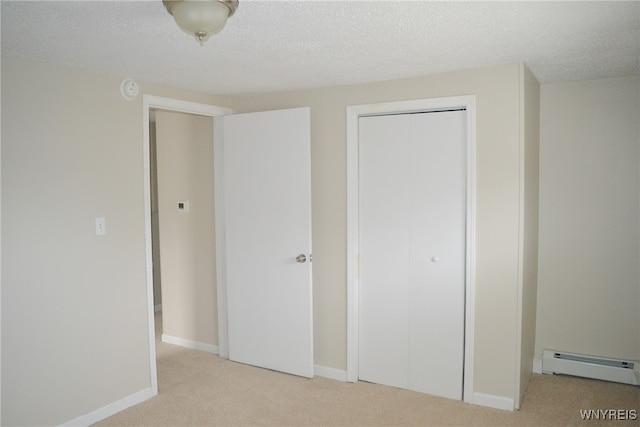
279 45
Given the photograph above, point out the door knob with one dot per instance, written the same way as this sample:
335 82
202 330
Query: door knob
301 258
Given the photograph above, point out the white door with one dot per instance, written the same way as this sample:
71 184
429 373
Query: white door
267 214
412 251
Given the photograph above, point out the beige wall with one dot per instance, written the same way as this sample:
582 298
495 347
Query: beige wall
530 159
589 281
187 239
498 209
74 305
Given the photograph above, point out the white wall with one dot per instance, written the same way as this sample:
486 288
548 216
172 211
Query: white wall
74 305
589 279
187 239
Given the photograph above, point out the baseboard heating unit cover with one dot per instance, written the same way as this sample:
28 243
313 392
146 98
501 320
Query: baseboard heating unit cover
615 370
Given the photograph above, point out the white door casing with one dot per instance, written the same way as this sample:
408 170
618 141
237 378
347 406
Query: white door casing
433 104
267 224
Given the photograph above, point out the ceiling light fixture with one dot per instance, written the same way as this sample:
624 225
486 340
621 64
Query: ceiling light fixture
201 18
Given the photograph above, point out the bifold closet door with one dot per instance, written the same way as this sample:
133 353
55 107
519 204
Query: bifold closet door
412 188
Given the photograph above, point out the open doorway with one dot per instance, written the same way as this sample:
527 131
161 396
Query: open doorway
155 231
183 236
180 224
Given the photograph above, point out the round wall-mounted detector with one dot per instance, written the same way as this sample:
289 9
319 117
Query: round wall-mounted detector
129 89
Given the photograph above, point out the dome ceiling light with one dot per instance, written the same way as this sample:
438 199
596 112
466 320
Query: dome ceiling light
201 18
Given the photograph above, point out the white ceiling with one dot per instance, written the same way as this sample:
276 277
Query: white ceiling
274 45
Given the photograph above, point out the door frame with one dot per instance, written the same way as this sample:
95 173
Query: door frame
175 105
413 106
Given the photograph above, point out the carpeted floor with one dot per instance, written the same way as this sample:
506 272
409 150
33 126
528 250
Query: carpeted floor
201 389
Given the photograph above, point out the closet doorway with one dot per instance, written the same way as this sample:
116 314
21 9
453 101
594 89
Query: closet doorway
411 188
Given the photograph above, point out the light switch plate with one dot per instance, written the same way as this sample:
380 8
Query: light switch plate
101 226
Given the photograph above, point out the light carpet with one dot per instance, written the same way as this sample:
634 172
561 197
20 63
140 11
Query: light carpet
201 389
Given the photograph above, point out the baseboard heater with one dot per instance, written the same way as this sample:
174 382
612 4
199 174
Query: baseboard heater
619 371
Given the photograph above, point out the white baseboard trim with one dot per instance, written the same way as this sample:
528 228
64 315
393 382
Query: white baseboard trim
157 307
209 348
537 365
491 401
110 409
333 373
